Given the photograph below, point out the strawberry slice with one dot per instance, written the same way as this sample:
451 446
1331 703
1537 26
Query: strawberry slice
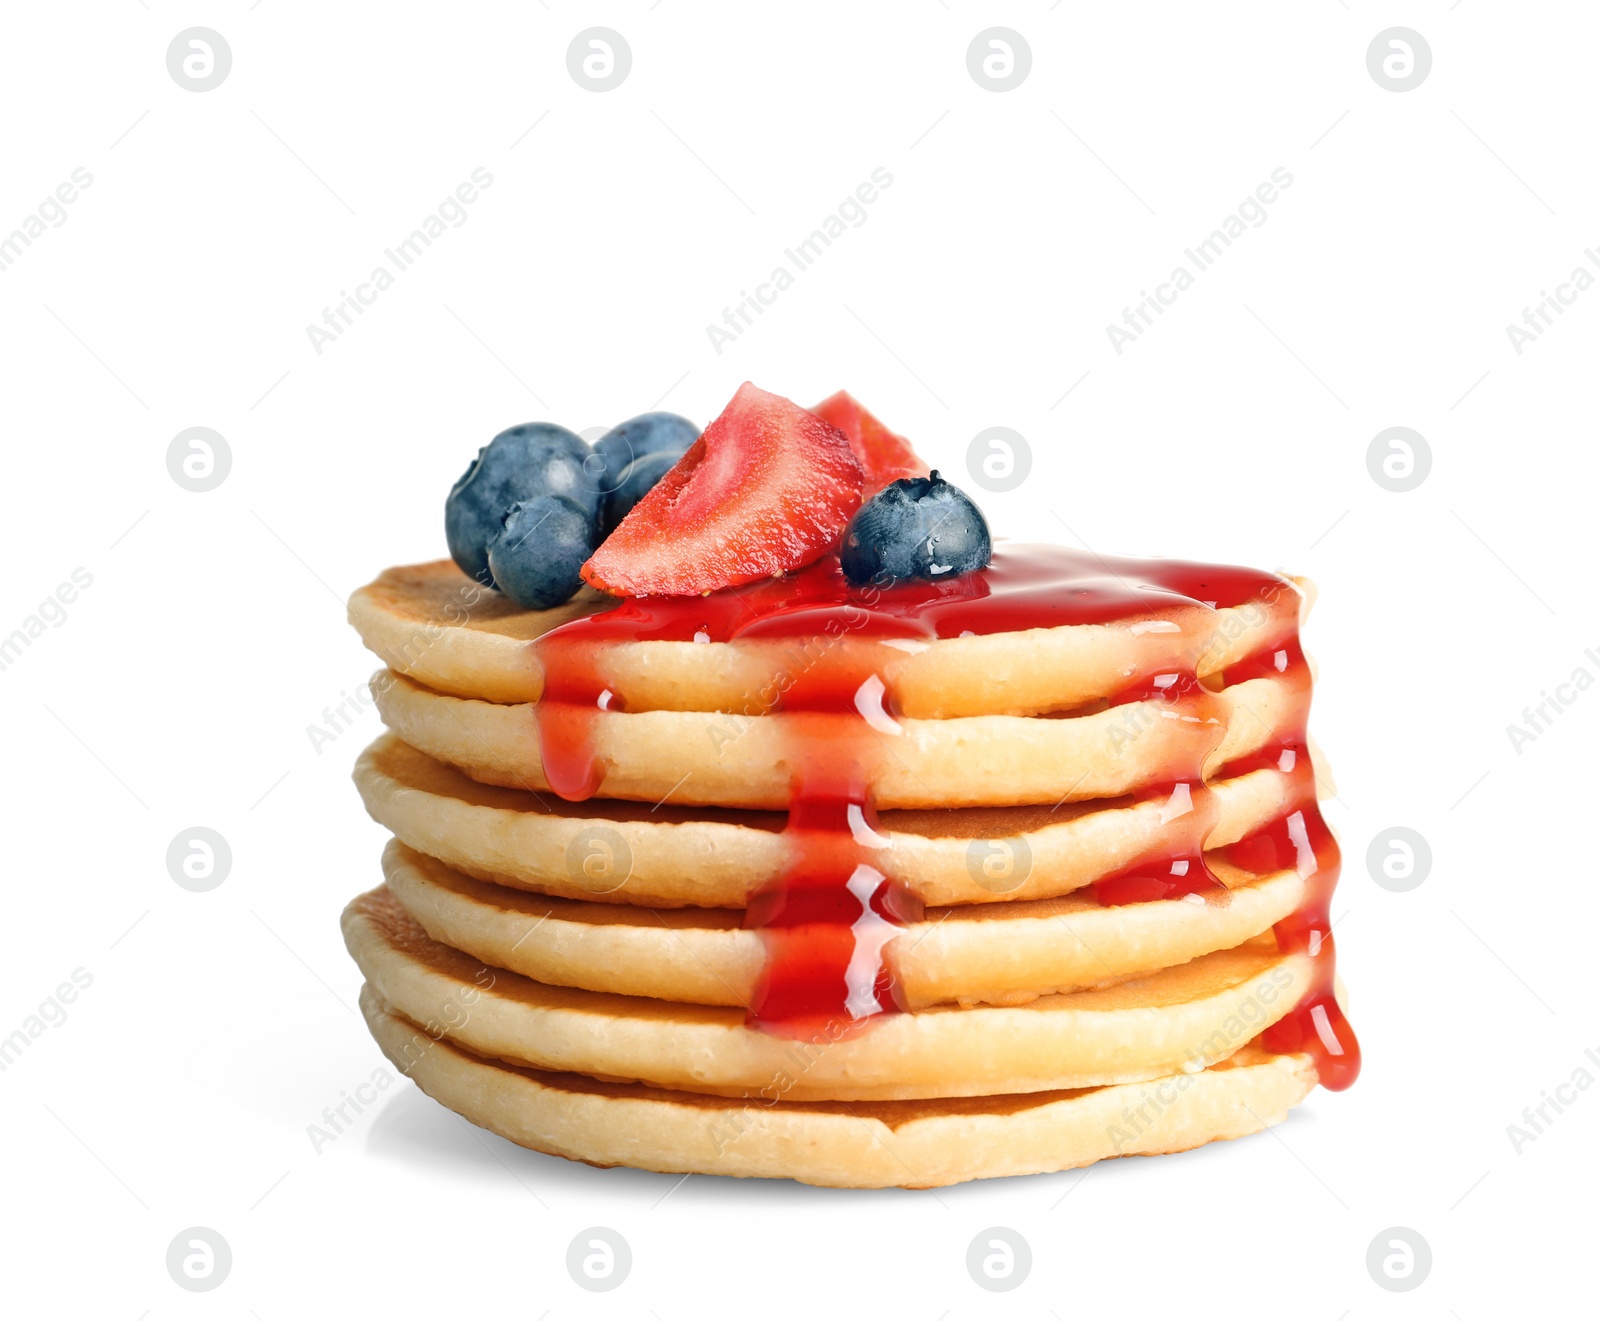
884 456
767 488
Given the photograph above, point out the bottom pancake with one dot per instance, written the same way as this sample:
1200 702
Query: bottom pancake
908 1144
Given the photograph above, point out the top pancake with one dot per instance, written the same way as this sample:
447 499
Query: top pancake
437 627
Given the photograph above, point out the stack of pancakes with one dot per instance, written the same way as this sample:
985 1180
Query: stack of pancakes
585 977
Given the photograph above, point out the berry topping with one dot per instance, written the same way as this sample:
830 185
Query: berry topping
537 458
767 488
536 555
884 456
635 483
917 527
649 433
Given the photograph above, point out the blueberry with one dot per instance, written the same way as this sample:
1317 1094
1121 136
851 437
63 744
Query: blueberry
537 458
917 527
637 479
649 433
536 555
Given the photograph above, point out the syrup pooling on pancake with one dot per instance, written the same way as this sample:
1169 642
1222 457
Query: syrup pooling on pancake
830 918
1025 587
1168 873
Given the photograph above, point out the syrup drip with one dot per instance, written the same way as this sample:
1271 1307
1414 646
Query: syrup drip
1300 841
829 922
573 695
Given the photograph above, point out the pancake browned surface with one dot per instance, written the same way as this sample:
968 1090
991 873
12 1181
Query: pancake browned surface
994 954
695 757
1176 1020
435 625
718 858
865 1144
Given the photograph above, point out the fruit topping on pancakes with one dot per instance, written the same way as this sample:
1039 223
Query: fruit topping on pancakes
536 555
766 489
657 509
884 456
649 433
917 527
521 463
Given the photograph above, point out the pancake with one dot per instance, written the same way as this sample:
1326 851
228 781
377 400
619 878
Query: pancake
718 858
971 761
434 624
1176 1020
652 858
912 1144
994 954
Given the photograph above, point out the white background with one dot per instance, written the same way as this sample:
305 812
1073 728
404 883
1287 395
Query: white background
179 689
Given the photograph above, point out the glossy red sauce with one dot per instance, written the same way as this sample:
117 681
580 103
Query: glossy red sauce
1162 878
828 921
1301 841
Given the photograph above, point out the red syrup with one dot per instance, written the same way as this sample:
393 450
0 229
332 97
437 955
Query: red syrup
1171 878
829 920
1180 871
1300 841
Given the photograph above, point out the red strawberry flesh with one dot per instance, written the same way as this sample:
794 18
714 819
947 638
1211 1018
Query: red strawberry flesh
767 488
884 456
